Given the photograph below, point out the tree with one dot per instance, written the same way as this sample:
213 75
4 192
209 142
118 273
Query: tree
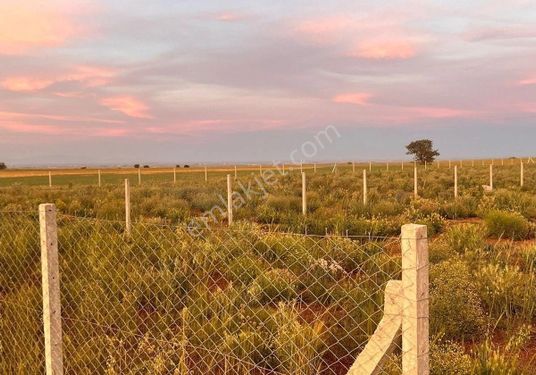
3 166
136 166
422 151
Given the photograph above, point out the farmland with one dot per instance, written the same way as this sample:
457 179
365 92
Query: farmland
278 283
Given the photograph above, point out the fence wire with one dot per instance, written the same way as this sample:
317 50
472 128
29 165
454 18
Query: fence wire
162 301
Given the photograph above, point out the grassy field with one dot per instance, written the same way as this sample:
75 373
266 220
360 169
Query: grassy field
283 302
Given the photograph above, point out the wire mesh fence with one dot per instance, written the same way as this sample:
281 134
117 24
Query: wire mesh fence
162 300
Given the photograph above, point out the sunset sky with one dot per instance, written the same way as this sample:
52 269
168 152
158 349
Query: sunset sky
167 81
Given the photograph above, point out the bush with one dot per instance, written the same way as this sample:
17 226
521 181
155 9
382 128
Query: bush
3 166
455 305
244 269
465 237
507 224
507 291
274 285
449 358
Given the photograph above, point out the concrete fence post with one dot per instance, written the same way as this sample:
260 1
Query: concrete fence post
415 185
301 166
491 176
235 173
402 165
522 176
128 223
314 167
99 177
415 311
229 201
365 187
175 175
139 176
49 179
370 166
353 166
51 289
455 181
206 174
387 166
304 194
260 169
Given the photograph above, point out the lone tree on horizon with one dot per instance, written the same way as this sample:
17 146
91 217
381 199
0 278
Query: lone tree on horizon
422 151
3 166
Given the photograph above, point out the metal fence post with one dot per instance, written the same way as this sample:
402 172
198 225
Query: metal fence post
415 314
51 289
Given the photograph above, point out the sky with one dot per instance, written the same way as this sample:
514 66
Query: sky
162 81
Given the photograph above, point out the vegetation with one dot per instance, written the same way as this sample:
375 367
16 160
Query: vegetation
422 150
3 166
254 299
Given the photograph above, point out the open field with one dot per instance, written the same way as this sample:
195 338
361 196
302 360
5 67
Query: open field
279 291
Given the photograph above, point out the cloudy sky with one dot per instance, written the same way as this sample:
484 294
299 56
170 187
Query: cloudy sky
248 80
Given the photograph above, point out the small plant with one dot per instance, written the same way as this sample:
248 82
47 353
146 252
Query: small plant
274 285
465 238
297 345
448 357
507 224
455 306
491 359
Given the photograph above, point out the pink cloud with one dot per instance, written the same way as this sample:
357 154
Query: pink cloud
24 84
127 105
385 49
325 29
86 75
359 98
229 16
30 24
527 81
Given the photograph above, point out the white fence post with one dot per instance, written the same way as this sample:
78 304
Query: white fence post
455 181
304 195
314 167
128 224
49 179
415 314
491 176
51 289
353 166
370 166
364 187
415 186
206 174
99 173
235 173
175 175
229 200
139 175
522 177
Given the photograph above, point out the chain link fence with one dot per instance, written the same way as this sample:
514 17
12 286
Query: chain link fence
238 300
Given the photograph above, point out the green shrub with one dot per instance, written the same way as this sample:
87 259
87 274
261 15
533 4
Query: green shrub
274 285
449 358
490 359
297 344
244 269
507 291
455 307
507 224
464 238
